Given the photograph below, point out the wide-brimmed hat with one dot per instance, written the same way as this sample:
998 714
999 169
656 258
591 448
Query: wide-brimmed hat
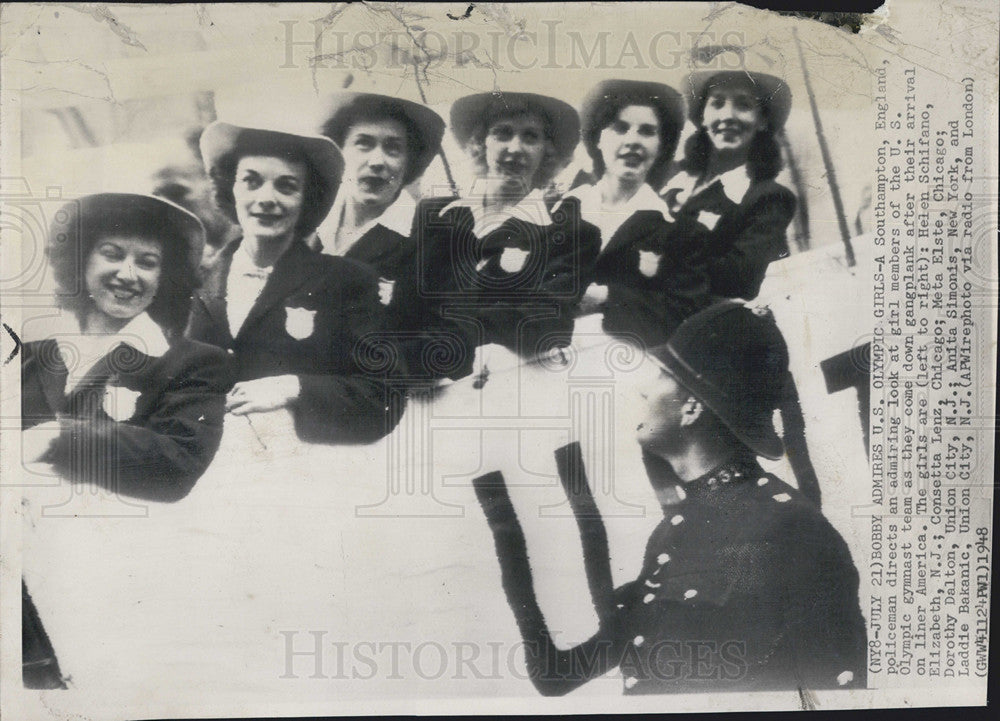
771 91
734 360
222 142
564 123
340 109
129 214
631 92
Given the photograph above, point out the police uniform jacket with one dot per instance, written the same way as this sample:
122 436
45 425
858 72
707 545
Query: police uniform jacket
519 284
319 318
744 586
740 223
140 423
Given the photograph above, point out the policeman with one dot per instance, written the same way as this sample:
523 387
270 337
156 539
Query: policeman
745 586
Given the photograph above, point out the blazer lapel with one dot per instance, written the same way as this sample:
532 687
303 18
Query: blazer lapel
211 297
638 225
293 270
375 246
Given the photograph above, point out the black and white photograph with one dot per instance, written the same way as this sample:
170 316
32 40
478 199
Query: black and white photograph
371 358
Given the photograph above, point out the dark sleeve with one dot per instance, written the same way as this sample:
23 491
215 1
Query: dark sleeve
431 344
358 404
572 253
553 671
683 268
823 623
740 271
161 458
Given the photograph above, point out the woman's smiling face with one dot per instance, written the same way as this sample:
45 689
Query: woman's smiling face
123 274
631 143
732 116
269 192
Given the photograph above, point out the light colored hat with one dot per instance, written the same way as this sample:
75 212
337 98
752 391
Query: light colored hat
340 108
563 121
771 91
221 142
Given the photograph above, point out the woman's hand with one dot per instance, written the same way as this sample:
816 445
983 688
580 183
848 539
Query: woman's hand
593 299
36 441
262 395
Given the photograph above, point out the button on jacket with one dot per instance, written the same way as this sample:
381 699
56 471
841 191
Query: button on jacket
309 321
744 586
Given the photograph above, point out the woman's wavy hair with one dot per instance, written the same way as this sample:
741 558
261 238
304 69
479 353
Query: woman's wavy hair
764 154
608 112
476 145
223 175
373 110
69 256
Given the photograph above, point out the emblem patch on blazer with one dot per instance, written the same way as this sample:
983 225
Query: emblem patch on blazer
513 259
649 263
708 219
385 288
299 322
119 402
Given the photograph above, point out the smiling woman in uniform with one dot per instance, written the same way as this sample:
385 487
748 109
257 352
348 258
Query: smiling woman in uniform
298 325
114 395
118 372
727 184
516 270
646 278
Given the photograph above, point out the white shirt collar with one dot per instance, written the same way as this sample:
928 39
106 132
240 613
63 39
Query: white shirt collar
735 184
82 352
142 333
244 285
398 218
531 209
609 220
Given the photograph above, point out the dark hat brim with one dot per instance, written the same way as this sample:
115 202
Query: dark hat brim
467 112
665 98
144 215
339 108
772 91
222 142
756 430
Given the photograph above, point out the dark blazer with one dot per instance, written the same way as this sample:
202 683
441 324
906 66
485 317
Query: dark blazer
432 346
655 277
745 239
163 448
344 368
526 308
745 586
